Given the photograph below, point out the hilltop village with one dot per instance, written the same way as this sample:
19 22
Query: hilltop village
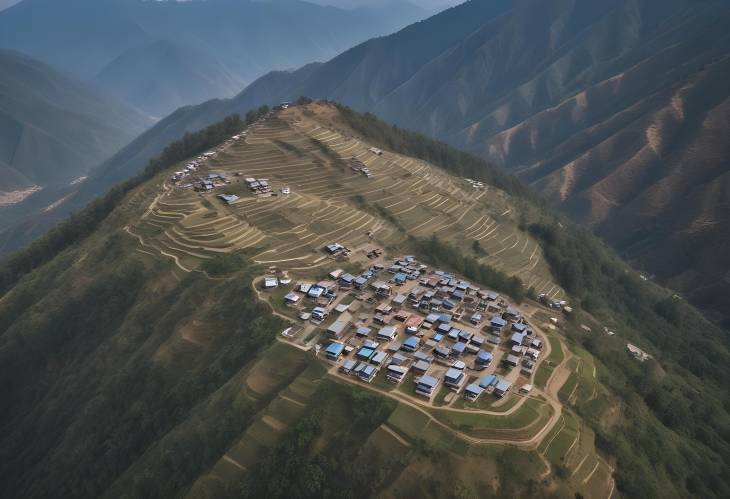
406 321
328 220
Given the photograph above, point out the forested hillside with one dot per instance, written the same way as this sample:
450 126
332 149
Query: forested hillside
123 374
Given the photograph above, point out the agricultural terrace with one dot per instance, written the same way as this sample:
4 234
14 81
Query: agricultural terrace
316 195
319 194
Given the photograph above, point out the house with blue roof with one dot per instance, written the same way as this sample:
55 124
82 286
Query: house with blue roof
454 334
359 282
228 198
400 278
370 344
334 350
502 387
488 381
448 305
365 353
438 337
346 280
454 378
319 313
421 366
517 338
443 328
519 327
363 331
368 373
432 318
445 318
426 385
395 374
465 336
378 358
484 358
442 352
315 292
497 323
411 344
458 349
472 392
334 248
348 366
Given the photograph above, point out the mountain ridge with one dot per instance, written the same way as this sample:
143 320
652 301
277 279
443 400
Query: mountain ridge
226 43
54 130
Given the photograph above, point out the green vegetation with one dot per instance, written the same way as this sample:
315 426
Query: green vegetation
527 414
342 467
441 253
547 366
224 264
688 395
113 351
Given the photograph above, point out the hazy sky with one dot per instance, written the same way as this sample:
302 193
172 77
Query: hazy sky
7 3
427 4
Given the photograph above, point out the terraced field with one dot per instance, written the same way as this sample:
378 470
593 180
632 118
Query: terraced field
331 203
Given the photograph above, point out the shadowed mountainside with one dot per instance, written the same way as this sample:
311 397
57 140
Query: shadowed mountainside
53 129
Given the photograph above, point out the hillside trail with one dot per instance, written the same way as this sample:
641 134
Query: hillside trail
530 443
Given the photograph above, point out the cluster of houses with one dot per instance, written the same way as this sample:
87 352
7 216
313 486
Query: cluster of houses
336 249
475 183
260 186
203 184
186 171
556 304
434 328
359 167
207 183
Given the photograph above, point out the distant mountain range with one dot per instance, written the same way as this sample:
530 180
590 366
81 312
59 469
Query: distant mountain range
159 56
616 111
53 130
